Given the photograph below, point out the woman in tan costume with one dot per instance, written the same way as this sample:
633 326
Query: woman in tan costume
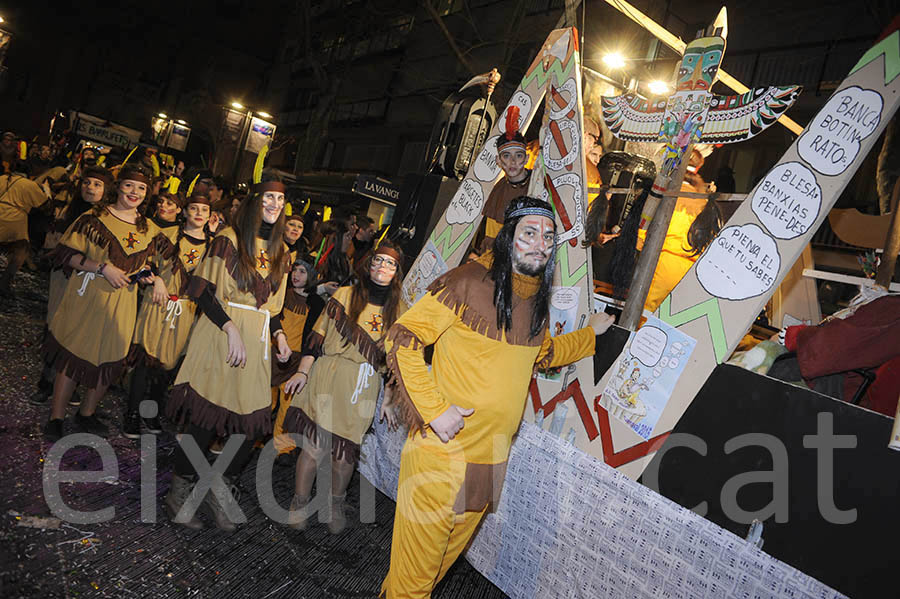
105 253
339 379
162 331
223 385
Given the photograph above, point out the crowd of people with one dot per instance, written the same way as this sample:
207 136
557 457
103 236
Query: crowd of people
240 320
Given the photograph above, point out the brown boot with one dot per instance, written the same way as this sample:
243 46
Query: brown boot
217 509
299 512
179 490
338 521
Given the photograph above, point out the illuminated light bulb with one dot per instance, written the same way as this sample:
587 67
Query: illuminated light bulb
614 60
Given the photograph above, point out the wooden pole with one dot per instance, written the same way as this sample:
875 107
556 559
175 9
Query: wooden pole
656 236
892 243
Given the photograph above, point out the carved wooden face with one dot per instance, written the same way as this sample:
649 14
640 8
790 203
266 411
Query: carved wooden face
700 63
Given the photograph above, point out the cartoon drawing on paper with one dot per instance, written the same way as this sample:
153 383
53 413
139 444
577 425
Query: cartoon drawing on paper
645 375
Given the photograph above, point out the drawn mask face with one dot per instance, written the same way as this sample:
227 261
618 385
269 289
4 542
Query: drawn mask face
700 64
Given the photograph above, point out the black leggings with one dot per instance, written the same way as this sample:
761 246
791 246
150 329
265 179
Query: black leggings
203 437
158 380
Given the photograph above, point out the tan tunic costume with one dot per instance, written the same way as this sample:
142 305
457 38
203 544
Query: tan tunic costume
91 329
18 196
161 334
293 321
218 396
345 380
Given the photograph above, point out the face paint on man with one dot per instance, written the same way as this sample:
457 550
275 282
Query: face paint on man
532 244
512 161
272 204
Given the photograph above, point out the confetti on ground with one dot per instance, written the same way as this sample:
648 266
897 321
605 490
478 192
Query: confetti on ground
36 522
126 557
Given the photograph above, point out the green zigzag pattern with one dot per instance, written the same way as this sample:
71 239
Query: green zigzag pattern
709 309
444 245
541 75
562 259
890 48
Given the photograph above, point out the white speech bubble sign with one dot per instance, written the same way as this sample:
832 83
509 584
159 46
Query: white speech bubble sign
664 362
787 201
427 263
676 347
657 372
831 141
741 262
648 345
564 298
524 102
486 167
466 204
673 363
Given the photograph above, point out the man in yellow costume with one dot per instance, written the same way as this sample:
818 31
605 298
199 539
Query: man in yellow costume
488 322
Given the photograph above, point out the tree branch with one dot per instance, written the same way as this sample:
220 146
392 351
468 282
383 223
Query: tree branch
443 27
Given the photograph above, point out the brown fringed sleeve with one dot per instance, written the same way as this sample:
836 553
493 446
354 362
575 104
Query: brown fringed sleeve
416 392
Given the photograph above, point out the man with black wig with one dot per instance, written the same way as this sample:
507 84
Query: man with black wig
488 321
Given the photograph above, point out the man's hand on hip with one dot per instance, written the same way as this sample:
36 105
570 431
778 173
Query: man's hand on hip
450 422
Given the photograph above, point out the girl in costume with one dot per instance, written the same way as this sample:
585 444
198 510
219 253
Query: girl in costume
162 331
96 186
338 380
223 385
299 301
105 253
164 209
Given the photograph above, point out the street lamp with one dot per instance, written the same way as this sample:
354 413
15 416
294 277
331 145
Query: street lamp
162 115
181 122
236 128
614 60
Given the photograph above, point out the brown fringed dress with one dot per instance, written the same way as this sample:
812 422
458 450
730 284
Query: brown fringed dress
92 327
209 392
345 379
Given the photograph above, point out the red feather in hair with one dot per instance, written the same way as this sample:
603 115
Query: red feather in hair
512 122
